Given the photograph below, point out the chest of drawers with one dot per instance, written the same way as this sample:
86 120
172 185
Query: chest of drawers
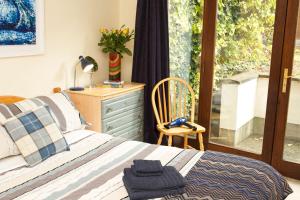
115 111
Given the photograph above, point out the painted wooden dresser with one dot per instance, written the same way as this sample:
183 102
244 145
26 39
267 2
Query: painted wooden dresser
115 111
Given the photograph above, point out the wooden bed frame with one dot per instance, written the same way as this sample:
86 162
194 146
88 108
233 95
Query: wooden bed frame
10 99
14 99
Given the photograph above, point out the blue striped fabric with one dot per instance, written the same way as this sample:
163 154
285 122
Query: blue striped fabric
225 176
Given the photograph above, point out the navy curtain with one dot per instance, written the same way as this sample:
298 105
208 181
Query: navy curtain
151 54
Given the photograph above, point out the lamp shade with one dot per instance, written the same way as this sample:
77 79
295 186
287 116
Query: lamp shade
86 65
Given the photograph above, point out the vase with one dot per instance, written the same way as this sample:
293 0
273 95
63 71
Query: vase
114 67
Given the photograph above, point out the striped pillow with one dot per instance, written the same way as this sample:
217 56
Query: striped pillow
63 111
82 119
61 107
36 135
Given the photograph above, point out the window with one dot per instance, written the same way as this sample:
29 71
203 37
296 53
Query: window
185 29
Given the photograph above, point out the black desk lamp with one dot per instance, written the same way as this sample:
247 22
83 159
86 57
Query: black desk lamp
86 66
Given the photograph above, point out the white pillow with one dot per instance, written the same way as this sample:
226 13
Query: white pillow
7 146
11 163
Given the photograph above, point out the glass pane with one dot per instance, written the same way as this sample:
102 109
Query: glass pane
242 65
292 134
185 29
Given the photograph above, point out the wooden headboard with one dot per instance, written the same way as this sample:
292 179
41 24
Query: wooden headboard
14 99
10 99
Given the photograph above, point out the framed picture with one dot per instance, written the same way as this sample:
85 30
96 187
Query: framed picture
21 27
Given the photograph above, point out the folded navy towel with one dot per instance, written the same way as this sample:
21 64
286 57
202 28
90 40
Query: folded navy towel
169 180
143 194
147 168
144 174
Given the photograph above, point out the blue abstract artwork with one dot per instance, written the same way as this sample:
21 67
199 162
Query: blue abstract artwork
18 22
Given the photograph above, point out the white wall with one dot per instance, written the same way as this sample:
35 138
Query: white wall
261 100
127 13
261 97
71 29
237 104
241 103
294 108
229 101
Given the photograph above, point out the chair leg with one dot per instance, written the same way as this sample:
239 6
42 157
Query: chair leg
200 138
185 142
170 140
161 135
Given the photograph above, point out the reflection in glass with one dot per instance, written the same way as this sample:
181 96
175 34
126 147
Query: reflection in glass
243 53
292 133
185 30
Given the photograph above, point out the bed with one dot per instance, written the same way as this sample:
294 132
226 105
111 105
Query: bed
93 169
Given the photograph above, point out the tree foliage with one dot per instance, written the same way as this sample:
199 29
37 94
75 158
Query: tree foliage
244 38
185 28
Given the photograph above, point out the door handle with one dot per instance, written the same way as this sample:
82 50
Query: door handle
286 77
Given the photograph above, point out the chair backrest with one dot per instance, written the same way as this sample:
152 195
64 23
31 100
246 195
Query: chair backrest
172 98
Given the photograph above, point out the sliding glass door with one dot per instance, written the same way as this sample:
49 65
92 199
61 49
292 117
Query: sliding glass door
246 54
286 150
250 80
243 50
240 67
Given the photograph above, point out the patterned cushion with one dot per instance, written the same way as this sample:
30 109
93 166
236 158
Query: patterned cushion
36 135
225 176
61 107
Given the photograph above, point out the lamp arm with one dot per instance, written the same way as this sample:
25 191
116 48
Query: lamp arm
75 73
75 76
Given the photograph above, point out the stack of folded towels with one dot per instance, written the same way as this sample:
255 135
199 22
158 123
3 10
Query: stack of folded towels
149 179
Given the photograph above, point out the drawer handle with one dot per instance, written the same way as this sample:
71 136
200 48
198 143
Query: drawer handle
108 110
109 128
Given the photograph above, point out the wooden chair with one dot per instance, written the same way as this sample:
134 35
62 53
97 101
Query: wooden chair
173 96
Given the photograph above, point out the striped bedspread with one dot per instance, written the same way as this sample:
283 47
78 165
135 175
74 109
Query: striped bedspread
93 169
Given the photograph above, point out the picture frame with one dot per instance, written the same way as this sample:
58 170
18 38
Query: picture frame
38 45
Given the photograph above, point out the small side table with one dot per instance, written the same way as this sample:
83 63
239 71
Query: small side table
115 111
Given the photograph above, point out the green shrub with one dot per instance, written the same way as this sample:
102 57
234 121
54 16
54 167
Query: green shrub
244 38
